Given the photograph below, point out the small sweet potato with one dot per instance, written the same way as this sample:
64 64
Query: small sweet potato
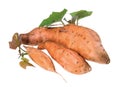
68 59
40 58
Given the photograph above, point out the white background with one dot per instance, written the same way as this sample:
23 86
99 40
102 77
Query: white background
24 15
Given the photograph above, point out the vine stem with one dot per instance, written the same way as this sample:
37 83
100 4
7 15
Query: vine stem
76 21
62 23
20 51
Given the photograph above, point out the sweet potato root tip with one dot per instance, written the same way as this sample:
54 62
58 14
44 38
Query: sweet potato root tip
106 59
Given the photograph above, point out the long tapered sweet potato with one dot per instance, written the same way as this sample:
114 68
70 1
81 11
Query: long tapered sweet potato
68 59
80 39
40 58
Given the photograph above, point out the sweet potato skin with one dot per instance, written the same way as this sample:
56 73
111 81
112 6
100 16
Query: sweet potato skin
40 58
80 39
68 59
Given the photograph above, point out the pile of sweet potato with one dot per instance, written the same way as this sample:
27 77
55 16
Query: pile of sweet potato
70 45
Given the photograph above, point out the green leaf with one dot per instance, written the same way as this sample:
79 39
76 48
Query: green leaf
24 59
24 63
54 17
79 15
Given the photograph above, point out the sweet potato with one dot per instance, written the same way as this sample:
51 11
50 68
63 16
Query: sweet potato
78 38
68 59
40 58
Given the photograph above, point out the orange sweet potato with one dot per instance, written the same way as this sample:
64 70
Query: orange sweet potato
40 58
68 59
78 38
